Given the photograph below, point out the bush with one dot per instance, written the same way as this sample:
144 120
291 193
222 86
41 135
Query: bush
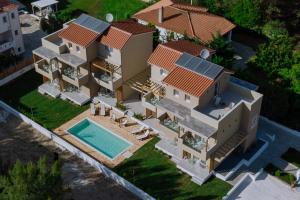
32 181
274 29
121 106
139 116
224 52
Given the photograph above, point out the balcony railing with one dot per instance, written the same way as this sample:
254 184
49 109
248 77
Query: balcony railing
72 76
193 143
108 81
172 125
6 45
49 71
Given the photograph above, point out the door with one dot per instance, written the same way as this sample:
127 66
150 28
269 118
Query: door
119 94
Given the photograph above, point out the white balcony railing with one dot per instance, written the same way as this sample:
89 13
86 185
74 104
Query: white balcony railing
5 46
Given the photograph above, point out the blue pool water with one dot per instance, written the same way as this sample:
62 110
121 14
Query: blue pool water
100 138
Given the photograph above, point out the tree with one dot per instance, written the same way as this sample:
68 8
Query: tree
32 182
224 52
274 56
245 13
274 29
156 34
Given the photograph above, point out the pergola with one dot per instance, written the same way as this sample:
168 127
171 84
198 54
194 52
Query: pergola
45 7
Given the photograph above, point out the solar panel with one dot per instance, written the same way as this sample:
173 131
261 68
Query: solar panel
92 23
199 65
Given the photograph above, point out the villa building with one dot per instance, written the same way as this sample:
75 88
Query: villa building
11 39
89 56
201 111
170 18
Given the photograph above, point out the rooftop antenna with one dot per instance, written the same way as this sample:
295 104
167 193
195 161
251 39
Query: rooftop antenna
109 17
204 54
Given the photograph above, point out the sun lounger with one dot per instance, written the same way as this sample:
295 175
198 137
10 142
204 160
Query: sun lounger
113 117
124 123
138 130
144 136
92 109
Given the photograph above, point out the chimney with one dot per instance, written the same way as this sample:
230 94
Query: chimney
161 15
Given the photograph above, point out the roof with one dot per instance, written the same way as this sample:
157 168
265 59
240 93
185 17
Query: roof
132 27
92 23
6 5
188 81
115 38
78 34
44 3
187 46
193 22
189 7
164 57
200 66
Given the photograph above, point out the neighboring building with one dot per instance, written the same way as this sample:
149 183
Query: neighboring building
196 22
89 56
11 39
201 111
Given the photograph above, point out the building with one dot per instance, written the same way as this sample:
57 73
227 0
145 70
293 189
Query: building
11 39
89 56
182 19
201 111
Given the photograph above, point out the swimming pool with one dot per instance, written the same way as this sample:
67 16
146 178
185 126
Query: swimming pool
101 139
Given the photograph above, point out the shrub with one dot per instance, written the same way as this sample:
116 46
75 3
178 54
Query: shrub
139 116
121 106
273 29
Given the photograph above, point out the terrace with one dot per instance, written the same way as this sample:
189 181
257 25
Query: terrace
54 43
75 95
76 77
48 70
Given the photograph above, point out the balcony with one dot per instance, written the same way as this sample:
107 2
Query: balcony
75 77
54 43
150 101
195 143
171 125
49 71
108 81
5 46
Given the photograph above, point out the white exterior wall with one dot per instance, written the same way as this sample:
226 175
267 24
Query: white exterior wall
12 25
111 55
156 75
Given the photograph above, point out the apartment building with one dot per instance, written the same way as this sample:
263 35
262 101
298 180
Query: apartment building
176 20
11 39
202 112
90 56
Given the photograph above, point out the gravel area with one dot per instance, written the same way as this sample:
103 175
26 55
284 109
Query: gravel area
20 141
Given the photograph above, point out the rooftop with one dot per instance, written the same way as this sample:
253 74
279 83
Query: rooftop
193 22
44 3
114 38
6 5
132 27
188 47
188 81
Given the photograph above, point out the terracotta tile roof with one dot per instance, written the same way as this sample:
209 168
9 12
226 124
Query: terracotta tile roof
6 5
200 24
188 47
164 57
78 34
132 27
114 38
188 81
188 7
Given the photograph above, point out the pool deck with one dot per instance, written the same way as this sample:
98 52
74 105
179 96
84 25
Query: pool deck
106 122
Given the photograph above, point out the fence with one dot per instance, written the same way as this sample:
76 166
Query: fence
79 153
15 68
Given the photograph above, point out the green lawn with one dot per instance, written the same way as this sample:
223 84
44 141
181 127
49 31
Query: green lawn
292 156
156 174
99 8
275 171
22 95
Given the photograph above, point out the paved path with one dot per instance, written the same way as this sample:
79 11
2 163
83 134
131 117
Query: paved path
283 141
244 52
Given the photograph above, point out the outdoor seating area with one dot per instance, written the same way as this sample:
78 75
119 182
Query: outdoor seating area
43 8
50 88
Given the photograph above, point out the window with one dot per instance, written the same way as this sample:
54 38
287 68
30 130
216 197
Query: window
12 15
187 98
19 49
77 48
175 93
163 72
70 45
16 32
4 19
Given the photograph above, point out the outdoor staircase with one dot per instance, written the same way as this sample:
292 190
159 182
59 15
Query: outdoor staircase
230 145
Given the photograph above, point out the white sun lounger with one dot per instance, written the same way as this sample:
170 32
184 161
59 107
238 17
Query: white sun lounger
113 117
144 136
93 109
138 130
124 123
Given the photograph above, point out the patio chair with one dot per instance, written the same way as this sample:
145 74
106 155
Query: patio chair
138 130
113 117
124 123
144 136
102 110
93 109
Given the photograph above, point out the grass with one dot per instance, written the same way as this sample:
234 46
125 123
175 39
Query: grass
22 95
275 171
99 8
292 156
156 174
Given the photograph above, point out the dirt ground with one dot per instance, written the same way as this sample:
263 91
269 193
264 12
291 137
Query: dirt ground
20 141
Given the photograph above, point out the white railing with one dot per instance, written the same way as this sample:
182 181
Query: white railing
5 46
63 144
